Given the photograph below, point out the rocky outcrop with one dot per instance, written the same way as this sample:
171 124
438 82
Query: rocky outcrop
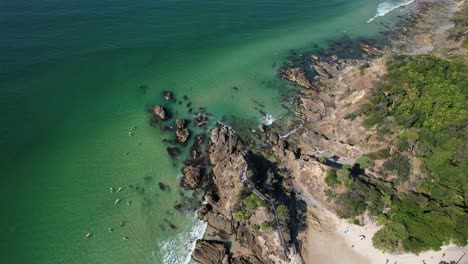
182 135
160 113
226 154
223 143
320 70
191 178
296 75
369 49
210 252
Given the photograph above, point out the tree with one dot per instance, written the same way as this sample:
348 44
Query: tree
387 238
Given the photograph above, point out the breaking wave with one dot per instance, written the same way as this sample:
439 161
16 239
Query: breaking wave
178 249
268 119
388 6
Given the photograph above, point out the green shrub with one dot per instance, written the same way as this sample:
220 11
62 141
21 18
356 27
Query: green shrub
241 216
255 227
266 225
344 177
251 202
382 219
330 177
365 161
282 211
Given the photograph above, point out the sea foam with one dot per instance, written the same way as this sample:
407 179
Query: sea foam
388 6
178 249
268 119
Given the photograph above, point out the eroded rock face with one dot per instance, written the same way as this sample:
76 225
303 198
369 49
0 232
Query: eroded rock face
296 75
250 259
210 252
182 135
160 112
191 177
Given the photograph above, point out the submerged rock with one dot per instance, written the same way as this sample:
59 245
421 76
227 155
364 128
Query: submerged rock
296 75
167 95
173 152
210 252
201 120
180 123
369 49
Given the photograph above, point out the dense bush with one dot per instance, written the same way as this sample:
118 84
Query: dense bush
428 101
398 164
423 104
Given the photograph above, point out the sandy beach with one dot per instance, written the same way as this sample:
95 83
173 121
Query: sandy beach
329 244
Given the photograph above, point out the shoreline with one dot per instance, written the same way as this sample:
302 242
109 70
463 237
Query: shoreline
324 229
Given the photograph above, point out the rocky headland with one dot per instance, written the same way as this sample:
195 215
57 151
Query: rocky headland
266 202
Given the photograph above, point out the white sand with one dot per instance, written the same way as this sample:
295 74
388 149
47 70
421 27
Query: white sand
330 245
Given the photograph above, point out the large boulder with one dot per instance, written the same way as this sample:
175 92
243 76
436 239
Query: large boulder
182 135
191 178
160 112
219 222
210 252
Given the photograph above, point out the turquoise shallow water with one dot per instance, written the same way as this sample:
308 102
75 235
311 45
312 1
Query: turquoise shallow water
70 74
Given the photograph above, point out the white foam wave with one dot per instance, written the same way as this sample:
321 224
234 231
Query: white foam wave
178 249
227 126
268 119
388 6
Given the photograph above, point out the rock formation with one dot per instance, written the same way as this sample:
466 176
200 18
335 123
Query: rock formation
182 135
210 252
191 178
296 75
160 112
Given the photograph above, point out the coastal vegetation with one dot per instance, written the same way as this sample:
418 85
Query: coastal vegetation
247 207
420 196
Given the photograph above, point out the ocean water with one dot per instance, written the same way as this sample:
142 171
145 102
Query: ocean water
71 77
